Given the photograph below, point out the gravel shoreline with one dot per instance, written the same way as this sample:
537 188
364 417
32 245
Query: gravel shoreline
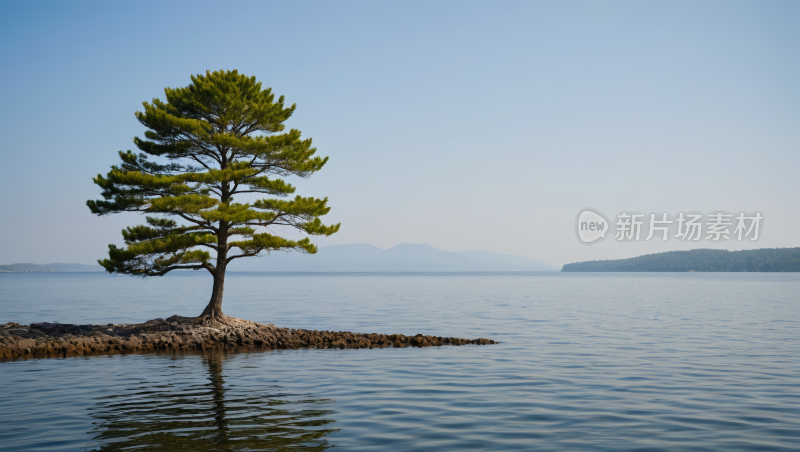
176 333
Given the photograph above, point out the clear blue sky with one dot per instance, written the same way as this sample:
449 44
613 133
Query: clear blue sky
464 125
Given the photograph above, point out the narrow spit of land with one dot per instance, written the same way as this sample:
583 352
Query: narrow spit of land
176 333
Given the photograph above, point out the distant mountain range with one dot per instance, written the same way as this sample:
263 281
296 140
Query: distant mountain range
702 260
46 268
359 257
406 257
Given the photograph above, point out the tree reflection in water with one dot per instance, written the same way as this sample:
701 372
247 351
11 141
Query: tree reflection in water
184 415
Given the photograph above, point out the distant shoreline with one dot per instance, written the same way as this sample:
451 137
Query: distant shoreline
50 268
765 260
48 271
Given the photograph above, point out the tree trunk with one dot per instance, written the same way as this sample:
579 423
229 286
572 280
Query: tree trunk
214 308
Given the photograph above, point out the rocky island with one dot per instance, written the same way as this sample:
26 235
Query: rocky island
176 333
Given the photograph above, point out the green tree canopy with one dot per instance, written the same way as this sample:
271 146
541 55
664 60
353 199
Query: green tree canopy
221 136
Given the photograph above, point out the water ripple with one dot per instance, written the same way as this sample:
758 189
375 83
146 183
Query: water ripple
586 363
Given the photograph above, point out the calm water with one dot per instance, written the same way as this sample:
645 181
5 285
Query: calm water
588 362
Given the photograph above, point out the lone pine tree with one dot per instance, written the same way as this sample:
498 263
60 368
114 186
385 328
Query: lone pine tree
223 135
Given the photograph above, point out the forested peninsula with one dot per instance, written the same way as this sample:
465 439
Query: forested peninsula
701 260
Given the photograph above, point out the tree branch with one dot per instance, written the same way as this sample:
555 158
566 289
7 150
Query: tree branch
228 260
181 267
204 224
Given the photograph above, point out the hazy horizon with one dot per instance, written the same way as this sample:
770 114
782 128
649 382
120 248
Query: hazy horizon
281 253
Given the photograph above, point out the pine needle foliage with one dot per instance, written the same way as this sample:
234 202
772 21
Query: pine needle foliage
223 135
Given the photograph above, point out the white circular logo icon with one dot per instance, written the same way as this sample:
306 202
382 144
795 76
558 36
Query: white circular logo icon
591 226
